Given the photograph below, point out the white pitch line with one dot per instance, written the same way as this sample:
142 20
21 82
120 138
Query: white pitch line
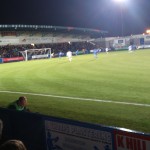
78 98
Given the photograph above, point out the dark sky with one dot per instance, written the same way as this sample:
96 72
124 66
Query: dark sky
97 14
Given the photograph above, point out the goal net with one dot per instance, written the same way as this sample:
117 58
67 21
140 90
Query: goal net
31 54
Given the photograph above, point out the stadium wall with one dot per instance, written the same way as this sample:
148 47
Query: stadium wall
40 132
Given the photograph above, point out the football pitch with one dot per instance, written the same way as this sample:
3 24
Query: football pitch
112 90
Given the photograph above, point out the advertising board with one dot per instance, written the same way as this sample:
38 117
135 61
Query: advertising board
131 141
81 136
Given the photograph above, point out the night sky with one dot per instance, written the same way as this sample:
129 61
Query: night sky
96 14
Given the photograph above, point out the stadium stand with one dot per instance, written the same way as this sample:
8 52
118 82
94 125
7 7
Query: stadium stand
16 38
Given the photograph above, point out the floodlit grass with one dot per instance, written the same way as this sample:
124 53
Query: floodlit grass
117 76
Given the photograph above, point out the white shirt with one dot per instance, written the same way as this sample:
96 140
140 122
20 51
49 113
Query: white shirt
69 54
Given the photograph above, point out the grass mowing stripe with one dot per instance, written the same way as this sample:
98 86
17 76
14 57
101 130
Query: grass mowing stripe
78 98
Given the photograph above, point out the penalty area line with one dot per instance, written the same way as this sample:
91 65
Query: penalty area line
77 98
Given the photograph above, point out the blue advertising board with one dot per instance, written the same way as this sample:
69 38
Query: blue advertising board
1 60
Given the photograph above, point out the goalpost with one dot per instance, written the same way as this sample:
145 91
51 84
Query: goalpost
31 54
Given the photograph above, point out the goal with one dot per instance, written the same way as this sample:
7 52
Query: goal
31 54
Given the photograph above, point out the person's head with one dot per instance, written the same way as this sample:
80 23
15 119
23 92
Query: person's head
13 145
22 101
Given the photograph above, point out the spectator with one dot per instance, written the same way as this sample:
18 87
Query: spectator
13 145
19 105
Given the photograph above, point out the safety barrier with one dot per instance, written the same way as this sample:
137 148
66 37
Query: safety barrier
40 132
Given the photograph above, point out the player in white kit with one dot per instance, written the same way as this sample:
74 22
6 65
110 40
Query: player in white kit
69 55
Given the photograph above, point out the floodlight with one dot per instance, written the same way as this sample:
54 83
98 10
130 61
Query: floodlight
148 31
121 3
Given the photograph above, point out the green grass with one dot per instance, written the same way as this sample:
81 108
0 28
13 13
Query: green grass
117 76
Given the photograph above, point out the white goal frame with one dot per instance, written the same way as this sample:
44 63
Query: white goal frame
36 53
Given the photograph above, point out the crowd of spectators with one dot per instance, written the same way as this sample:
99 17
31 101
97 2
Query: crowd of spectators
10 51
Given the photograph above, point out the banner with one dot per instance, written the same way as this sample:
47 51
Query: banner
68 136
40 56
13 59
131 141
